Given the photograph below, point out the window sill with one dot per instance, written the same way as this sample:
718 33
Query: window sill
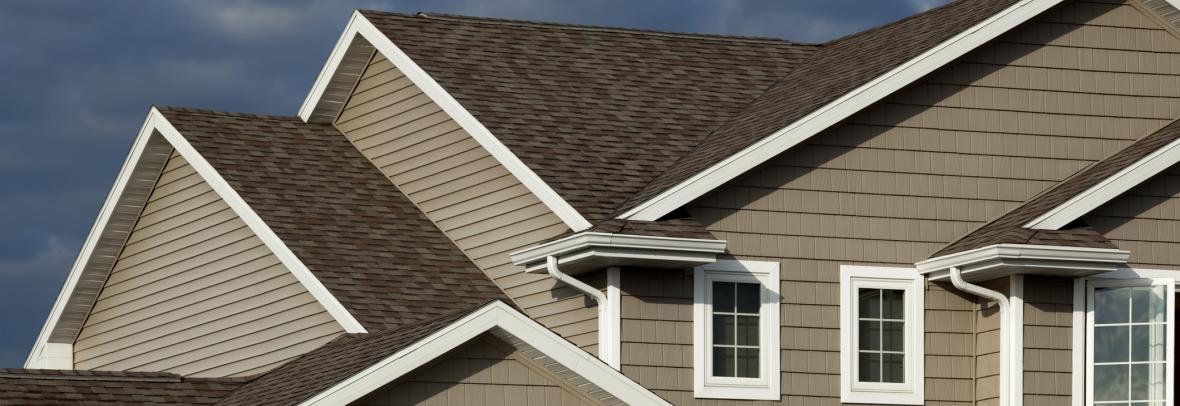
736 392
882 397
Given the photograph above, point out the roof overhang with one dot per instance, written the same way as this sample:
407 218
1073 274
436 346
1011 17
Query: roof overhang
343 69
1001 260
836 111
564 359
590 251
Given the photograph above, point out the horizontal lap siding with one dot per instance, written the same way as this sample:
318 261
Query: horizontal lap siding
480 374
1145 221
482 207
898 181
195 292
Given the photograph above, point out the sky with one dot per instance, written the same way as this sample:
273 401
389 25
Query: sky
78 77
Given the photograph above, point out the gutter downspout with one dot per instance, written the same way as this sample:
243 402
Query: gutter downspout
1007 397
605 346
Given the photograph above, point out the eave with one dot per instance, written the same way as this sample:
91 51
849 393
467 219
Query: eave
589 251
1001 260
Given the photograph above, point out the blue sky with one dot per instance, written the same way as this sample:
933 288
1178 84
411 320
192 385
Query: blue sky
79 77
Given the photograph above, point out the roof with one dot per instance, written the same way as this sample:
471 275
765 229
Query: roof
56 387
334 362
837 68
373 249
596 112
1009 227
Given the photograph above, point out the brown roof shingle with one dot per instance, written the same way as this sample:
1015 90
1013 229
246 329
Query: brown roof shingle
837 68
56 387
596 112
1008 228
373 249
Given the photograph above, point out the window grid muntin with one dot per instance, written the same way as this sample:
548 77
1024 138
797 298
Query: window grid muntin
880 320
1129 325
735 314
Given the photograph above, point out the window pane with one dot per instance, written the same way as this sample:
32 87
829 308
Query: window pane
747 330
893 368
1110 382
1148 342
1110 344
870 367
870 303
893 304
1147 382
1147 304
747 362
723 361
870 335
723 329
892 336
723 297
1111 305
749 297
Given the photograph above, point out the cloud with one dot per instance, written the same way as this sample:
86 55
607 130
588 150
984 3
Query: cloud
53 259
923 5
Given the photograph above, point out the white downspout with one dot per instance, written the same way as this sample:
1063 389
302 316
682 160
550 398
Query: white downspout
605 346
1007 397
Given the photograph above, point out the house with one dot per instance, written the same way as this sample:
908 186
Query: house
976 205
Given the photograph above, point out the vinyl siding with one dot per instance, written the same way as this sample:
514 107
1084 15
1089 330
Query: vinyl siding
1048 326
483 373
987 346
482 207
896 182
195 292
1145 221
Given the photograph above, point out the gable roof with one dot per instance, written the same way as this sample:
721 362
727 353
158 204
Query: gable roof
360 237
59 387
1011 226
596 112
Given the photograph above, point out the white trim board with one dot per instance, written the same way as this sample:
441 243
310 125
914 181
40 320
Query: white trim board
836 111
767 385
912 391
358 25
1110 188
156 123
495 315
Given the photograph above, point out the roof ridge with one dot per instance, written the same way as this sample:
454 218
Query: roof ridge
225 113
586 27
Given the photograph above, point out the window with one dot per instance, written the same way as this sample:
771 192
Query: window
1129 342
881 334
736 331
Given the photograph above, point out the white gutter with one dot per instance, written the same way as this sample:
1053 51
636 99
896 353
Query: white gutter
1008 397
579 252
605 345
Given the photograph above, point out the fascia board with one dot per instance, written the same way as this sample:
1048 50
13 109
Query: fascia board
836 111
636 243
359 25
1026 256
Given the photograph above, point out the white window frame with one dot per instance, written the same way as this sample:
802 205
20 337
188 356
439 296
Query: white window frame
1083 316
911 391
766 386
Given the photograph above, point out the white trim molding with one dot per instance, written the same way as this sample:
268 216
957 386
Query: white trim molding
43 356
1000 260
766 385
912 390
590 251
1117 184
491 317
360 27
845 106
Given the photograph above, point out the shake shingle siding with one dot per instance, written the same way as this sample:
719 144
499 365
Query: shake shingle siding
898 181
1048 340
1145 221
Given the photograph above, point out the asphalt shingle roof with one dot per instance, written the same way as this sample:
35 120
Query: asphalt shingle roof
55 387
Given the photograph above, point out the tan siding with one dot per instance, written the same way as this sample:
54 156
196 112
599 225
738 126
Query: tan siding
485 210
987 346
1145 221
483 373
898 181
195 292
1048 320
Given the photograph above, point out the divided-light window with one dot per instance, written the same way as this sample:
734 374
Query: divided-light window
1129 342
736 330
881 338
881 335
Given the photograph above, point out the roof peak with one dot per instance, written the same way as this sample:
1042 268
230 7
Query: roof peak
581 27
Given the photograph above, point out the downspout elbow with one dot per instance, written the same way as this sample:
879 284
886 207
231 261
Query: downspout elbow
604 347
1007 397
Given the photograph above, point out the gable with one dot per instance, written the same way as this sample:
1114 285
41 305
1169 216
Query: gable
487 371
1145 221
462 188
195 292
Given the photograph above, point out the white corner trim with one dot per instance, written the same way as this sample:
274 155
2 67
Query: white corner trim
39 353
766 386
256 224
1109 188
836 111
1016 338
912 391
359 25
613 334
493 315
1078 356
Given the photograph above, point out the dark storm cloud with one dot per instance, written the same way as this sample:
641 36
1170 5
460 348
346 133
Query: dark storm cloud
79 76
